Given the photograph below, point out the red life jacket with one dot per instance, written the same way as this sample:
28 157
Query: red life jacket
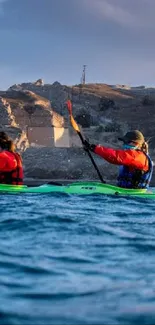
14 177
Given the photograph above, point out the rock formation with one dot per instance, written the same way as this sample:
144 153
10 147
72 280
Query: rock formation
6 116
39 82
9 125
29 109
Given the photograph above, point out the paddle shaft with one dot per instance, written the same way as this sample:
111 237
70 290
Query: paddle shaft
92 159
76 128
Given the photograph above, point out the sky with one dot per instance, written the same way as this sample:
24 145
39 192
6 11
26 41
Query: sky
53 39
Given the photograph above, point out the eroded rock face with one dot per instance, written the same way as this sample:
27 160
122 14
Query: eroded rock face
22 142
18 136
14 87
29 109
39 82
6 115
8 124
27 96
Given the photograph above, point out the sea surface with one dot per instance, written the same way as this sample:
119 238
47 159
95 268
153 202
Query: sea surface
76 260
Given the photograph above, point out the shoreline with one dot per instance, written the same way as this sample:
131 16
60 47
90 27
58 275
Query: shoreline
37 181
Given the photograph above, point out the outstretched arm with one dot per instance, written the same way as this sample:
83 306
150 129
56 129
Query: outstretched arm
122 157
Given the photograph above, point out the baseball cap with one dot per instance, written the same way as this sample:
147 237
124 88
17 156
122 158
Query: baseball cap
132 136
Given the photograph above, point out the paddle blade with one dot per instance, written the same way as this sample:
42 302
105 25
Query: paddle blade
69 106
73 122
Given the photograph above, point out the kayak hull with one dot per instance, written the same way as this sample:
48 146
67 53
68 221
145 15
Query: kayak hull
79 188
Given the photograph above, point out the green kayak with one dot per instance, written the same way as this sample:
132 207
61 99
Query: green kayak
80 188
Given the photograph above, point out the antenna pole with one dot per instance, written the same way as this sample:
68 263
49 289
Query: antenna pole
84 75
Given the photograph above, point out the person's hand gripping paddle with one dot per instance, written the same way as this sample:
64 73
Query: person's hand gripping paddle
77 129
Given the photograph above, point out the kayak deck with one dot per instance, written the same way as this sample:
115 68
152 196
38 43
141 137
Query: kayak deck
80 188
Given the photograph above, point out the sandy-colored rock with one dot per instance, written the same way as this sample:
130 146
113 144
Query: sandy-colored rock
30 109
6 115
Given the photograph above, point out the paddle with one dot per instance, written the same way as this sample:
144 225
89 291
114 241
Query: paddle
76 128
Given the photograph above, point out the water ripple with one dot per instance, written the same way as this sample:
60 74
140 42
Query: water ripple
76 260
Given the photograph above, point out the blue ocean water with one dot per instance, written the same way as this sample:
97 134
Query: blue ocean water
76 260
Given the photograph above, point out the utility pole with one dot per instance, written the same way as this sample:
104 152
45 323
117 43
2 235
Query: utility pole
83 79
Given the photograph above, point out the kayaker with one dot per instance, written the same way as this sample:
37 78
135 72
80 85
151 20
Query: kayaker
11 170
135 163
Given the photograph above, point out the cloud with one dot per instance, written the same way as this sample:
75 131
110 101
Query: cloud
1 6
75 14
41 15
111 11
128 13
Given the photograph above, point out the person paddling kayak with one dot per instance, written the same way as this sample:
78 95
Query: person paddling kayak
11 170
136 166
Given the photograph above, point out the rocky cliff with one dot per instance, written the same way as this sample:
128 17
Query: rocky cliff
103 112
